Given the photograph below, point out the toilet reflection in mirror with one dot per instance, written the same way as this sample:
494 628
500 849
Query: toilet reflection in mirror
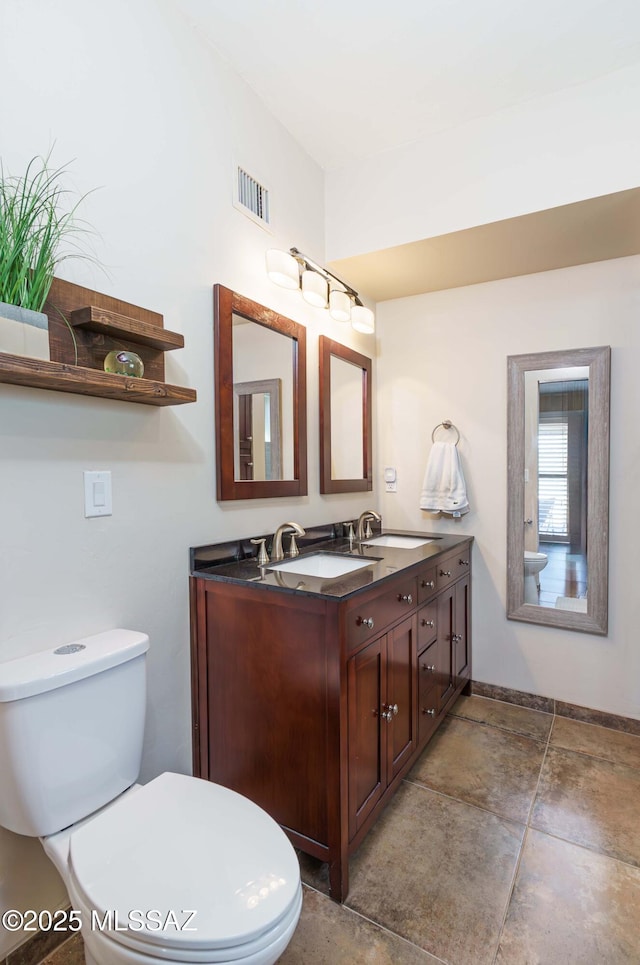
555 475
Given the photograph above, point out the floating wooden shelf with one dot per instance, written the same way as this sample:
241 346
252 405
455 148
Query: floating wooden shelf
62 377
99 324
96 319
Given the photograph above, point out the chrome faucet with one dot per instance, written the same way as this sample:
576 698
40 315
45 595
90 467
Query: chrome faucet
363 530
276 547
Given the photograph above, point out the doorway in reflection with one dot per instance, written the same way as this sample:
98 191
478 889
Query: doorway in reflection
562 459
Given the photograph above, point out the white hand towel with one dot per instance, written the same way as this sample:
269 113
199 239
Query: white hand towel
444 489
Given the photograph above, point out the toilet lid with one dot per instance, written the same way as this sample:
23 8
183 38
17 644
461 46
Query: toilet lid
178 845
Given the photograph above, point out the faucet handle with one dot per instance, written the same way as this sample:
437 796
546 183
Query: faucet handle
368 532
263 556
293 546
349 528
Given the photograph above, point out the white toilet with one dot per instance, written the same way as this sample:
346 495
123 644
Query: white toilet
137 861
533 564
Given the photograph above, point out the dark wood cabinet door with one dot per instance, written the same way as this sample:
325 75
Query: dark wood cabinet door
401 695
461 629
366 685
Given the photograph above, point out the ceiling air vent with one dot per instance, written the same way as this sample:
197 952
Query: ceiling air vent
252 198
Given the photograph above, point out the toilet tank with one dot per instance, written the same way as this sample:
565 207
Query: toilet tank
71 729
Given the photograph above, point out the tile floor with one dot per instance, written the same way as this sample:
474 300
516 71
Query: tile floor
515 839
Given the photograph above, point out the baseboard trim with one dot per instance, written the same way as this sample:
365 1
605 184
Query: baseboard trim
627 725
36 948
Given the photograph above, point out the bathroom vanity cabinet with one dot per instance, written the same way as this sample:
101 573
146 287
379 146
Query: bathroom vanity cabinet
314 700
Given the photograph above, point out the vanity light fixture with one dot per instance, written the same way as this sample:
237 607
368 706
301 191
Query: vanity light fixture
315 289
319 287
339 305
283 269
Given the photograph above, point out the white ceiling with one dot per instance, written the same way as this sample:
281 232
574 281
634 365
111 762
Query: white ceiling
352 78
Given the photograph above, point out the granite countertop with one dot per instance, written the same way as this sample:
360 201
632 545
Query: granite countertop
385 562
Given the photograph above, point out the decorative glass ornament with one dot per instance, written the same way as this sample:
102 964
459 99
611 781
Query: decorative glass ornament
124 363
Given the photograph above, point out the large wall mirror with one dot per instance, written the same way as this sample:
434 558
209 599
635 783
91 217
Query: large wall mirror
345 419
558 506
260 398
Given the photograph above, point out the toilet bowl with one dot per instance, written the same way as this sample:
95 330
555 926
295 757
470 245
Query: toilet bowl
533 564
178 870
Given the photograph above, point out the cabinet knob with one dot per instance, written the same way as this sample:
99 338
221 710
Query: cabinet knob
429 713
428 623
431 667
457 637
366 622
393 709
405 598
445 572
386 713
463 562
429 584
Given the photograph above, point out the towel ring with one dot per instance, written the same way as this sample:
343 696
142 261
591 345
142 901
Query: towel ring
447 424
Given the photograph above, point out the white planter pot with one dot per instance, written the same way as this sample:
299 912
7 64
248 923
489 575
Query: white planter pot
24 332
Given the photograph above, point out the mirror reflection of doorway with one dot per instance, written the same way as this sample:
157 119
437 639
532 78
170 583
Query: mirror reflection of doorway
563 423
257 435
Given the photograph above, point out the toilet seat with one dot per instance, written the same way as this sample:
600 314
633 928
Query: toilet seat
263 951
182 844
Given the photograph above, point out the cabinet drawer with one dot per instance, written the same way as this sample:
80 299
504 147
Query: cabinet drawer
366 620
427 693
450 568
427 624
427 584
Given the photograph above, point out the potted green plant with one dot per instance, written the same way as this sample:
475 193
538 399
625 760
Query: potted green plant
38 231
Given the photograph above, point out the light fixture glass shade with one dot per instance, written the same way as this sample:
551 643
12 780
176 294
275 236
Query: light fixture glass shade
339 305
363 319
314 289
282 268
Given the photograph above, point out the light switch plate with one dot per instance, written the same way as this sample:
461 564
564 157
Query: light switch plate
97 493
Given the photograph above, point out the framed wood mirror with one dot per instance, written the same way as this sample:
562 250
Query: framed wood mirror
345 419
260 400
558 484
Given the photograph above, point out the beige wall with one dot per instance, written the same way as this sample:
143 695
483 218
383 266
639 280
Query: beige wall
443 355
575 143
157 123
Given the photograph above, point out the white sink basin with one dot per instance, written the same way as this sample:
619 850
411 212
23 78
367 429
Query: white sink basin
398 542
323 565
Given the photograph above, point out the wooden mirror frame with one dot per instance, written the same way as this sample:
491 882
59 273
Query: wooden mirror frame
226 304
329 348
595 620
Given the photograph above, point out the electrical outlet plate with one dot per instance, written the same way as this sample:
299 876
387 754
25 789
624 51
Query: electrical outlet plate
390 480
